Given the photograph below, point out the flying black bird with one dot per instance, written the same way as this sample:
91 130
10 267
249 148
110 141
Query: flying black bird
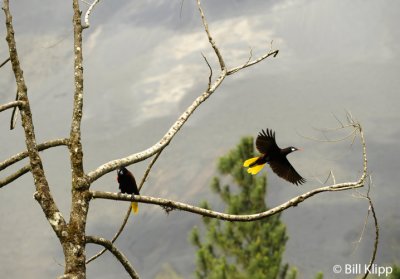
127 184
275 157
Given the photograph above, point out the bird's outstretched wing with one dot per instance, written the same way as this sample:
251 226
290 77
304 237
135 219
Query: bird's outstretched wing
284 169
266 143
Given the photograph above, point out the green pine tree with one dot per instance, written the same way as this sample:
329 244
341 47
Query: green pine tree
239 250
395 272
319 275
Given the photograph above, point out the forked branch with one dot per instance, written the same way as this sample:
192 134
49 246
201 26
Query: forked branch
110 247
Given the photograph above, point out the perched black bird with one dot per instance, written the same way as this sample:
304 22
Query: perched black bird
275 157
127 184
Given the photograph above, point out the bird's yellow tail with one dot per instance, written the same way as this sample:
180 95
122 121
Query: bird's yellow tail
256 169
250 161
253 169
135 207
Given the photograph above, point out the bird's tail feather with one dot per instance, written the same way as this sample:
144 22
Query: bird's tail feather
256 169
135 207
250 161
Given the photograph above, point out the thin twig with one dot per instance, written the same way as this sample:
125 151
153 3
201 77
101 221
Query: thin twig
14 114
351 134
211 72
342 125
331 175
118 233
251 63
87 3
338 120
15 175
250 56
120 257
363 229
5 62
210 38
371 208
147 172
376 238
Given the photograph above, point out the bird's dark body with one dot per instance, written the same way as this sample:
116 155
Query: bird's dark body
127 182
127 185
276 157
273 156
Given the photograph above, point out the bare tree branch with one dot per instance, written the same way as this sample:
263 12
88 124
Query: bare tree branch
42 194
211 71
4 62
11 105
121 257
76 154
22 155
117 234
372 209
14 114
15 175
223 216
88 12
251 63
149 167
376 237
210 39
352 134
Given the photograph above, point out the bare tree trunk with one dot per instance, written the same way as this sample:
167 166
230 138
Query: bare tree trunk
74 244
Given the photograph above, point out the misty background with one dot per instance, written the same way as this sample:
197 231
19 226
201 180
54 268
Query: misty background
143 67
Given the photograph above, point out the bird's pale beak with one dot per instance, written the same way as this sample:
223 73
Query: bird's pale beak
300 149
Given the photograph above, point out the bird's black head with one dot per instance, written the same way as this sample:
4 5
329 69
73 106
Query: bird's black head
122 171
289 150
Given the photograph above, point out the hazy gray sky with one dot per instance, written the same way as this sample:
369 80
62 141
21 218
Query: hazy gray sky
143 67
